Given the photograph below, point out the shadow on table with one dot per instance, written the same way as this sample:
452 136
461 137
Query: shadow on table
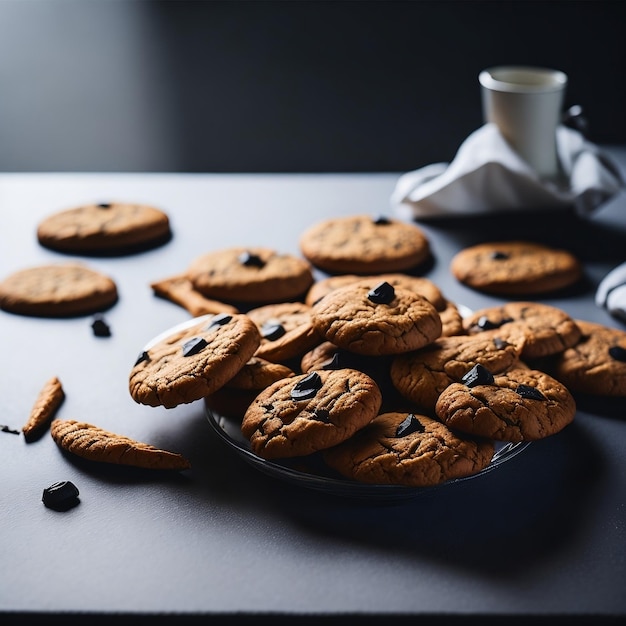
516 516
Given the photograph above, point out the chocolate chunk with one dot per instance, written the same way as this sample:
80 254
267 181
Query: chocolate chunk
193 346
307 387
251 260
409 425
104 205
499 256
478 375
100 327
321 415
530 393
484 323
143 356
499 343
219 320
381 220
272 331
6 429
618 353
383 293
60 496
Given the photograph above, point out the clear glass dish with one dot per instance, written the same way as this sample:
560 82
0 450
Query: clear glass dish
311 473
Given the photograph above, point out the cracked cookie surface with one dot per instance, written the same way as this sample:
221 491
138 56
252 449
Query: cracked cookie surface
351 319
408 449
300 415
596 364
547 329
422 375
361 244
194 362
521 404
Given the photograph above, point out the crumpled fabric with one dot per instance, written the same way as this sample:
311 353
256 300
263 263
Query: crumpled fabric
487 175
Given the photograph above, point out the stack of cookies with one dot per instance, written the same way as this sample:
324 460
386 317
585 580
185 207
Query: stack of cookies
370 368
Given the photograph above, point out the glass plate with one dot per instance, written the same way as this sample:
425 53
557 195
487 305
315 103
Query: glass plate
310 472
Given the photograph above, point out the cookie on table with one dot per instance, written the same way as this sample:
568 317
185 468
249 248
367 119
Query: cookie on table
286 329
548 330
108 227
179 290
521 404
596 364
58 290
306 413
193 362
515 268
362 244
44 409
422 375
376 321
418 284
96 444
400 448
251 275
237 394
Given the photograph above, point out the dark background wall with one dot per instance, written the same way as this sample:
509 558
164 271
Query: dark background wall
140 85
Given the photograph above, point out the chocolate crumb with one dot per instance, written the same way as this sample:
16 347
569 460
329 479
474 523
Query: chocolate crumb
100 327
61 496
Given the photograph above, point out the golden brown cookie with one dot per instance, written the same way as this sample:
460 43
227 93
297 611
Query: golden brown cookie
547 329
596 364
250 275
96 444
518 268
193 362
418 284
179 290
62 290
44 409
300 415
521 404
422 375
110 227
286 329
376 321
361 244
408 449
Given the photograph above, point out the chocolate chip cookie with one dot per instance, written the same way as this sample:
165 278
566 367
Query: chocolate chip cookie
306 413
107 227
376 321
193 362
362 244
399 448
518 268
521 404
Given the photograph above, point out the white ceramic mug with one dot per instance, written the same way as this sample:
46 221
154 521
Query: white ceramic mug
525 103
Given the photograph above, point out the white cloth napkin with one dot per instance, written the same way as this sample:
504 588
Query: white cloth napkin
611 292
487 175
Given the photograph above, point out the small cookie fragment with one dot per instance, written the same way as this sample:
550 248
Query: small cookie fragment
46 405
62 290
515 268
250 275
376 321
96 444
194 362
521 404
399 448
179 290
61 496
112 227
302 414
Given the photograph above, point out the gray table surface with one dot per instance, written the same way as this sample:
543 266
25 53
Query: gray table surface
542 535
